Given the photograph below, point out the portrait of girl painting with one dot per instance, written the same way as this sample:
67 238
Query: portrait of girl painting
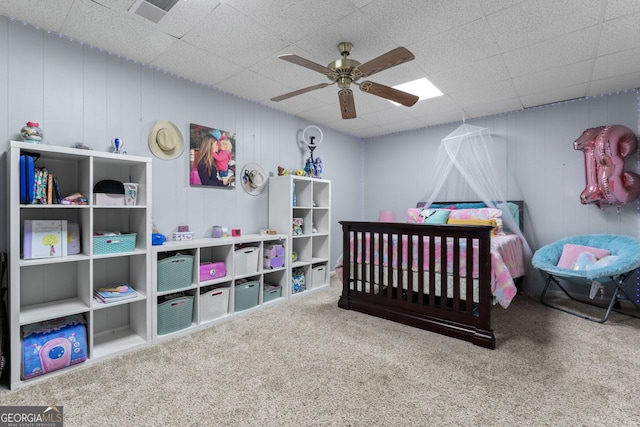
212 154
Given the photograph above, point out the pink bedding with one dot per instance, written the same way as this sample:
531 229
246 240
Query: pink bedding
506 259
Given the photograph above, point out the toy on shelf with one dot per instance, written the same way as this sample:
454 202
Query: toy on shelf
32 133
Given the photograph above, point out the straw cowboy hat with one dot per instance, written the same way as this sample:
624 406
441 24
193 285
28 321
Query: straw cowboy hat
165 140
253 179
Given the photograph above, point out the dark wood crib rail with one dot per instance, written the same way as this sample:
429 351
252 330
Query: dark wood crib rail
451 315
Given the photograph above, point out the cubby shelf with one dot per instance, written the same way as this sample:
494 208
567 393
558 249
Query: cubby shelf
44 289
239 272
308 200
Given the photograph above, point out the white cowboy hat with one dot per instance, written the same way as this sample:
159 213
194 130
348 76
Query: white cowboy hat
165 140
253 179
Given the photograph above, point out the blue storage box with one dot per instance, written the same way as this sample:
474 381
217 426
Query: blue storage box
114 243
175 314
247 295
53 344
175 272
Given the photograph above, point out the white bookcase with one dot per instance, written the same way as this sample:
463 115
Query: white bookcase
49 288
240 269
312 245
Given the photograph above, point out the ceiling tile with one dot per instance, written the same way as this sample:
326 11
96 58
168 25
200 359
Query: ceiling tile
617 64
492 6
530 22
248 85
203 68
552 96
484 94
367 39
564 50
424 20
614 84
469 43
97 25
230 34
620 34
48 15
402 125
432 106
488 70
567 75
492 108
443 117
293 19
618 8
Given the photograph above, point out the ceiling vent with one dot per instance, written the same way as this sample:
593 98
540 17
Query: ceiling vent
152 10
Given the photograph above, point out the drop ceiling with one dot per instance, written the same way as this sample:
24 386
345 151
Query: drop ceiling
487 56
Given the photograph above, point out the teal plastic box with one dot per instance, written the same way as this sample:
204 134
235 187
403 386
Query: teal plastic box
247 295
271 292
125 242
175 314
175 272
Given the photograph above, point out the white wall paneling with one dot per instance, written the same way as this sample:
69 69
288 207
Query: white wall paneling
79 93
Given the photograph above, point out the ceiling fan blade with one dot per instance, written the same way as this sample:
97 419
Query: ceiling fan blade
404 98
299 92
347 105
390 59
298 60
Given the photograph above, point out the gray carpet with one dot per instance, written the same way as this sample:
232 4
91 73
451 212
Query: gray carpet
306 362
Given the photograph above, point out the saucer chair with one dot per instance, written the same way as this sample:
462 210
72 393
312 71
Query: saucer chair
626 248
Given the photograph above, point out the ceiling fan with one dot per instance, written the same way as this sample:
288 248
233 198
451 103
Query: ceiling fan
345 71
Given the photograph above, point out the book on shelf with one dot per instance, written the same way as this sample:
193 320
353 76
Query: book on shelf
119 293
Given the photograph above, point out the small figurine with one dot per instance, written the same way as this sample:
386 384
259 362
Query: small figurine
308 167
117 145
317 167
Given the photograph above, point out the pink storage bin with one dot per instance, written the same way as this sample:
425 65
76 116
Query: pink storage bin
212 270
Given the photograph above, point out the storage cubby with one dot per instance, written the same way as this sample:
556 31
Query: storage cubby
221 298
47 288
313 206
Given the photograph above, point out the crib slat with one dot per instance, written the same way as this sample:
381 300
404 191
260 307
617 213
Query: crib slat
432 271
456 274
443 271
469 276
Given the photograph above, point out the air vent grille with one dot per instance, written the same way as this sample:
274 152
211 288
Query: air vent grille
153 10
165 5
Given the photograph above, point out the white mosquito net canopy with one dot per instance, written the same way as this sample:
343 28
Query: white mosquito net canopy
463 167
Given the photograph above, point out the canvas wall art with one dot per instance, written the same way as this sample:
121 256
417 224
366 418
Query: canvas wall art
212 157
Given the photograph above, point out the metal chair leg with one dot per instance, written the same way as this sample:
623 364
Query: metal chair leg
614 299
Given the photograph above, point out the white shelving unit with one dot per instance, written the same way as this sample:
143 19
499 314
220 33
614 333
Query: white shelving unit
230 251
49 288
313 206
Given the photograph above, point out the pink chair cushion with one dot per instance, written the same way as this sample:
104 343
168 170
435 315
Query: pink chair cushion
570 253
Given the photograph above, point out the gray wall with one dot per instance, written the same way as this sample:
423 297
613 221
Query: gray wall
78 93
534 154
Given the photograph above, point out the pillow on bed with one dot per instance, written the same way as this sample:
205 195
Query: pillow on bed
507 208
482 213
473 221
435 216
427 216
571 252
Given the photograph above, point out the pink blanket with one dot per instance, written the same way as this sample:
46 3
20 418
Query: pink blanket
506 259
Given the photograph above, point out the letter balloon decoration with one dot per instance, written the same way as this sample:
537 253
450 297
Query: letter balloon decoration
605 148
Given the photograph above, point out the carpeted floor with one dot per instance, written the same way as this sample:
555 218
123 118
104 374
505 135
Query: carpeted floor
306 362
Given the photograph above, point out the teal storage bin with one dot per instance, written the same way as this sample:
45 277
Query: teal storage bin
247 295
175 314
271 292
125 242
175 272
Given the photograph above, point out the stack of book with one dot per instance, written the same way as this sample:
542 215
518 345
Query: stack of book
118 293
